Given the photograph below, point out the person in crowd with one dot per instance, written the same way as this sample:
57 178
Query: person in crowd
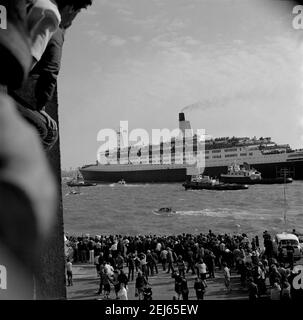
286 291
163 258
200 288
137 261
178 284
112 261
253 292
170 260
184 287
201 269
69 272
143 264
105 282
181 266
122 278
119 261
190 261
131 266
122 293
155 260
115 282
275 292
97 265
101 258
141 283
150 263
108 269
274 275
226 272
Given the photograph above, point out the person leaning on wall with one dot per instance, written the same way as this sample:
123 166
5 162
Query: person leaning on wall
28 196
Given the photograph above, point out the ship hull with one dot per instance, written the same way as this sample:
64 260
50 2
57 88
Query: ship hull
96 174
133 176
246 180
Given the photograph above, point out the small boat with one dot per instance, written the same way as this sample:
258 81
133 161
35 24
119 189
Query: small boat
74 183
79 182
206 183
167 211
243 174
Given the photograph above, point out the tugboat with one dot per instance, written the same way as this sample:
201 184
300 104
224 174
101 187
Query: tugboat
205 182
240 174
246 175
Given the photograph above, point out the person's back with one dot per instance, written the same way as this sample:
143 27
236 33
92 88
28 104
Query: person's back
140 281
199 287
286 291
122 294
252 290
275 292
163 254
184 288
69 266
123 278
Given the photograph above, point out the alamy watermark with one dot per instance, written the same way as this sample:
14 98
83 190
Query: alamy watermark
3 278
163 146
297 21
297 282
3 17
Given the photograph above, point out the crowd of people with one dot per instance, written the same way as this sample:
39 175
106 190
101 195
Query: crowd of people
263 271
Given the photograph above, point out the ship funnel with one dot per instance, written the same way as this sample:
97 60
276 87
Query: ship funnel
181 116
183 124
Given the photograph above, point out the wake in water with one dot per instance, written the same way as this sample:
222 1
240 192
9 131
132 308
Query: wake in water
128 185
222 213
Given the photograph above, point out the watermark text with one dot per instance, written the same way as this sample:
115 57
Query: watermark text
297 22
3 17
3 278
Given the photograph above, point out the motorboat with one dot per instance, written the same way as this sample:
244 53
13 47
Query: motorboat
243 174
205 182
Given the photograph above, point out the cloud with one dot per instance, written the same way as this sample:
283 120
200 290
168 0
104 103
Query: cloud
136 38
116 41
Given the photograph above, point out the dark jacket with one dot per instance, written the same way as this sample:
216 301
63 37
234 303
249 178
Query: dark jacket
39 88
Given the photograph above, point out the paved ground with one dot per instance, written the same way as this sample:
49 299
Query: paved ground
86 285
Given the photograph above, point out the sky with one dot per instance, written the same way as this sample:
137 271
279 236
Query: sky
235 67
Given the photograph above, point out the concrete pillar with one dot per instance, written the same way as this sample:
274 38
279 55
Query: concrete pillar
50 282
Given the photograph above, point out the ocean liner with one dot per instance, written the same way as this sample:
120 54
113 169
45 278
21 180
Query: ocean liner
172 161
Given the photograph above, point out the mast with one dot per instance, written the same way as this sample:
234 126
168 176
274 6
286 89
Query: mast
119 146
284 193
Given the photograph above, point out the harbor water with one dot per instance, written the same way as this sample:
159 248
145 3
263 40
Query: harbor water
132 209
